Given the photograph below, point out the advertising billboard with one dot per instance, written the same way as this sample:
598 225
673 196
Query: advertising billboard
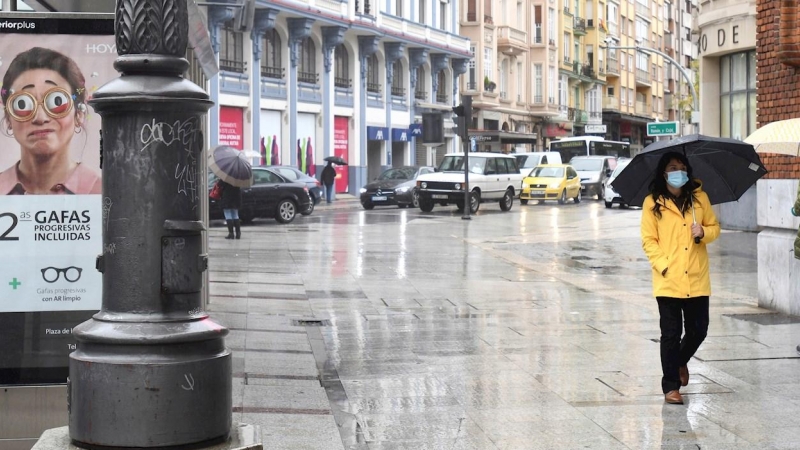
341 146
51 205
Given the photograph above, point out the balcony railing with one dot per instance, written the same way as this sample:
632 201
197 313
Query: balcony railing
588 71
421 95
612 66
472 86
342 82
566 11
611 103
579 25
511 36
273 72
398 91
601 68
374 88
441 97
472 17
643 10
642 76
567 60
537 33
488 19
308 77
613 29
231 65
551 100
642 108
504 95
538 99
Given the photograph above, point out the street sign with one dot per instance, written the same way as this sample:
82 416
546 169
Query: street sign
595 129
662 128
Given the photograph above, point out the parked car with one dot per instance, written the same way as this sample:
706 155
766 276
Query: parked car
492 177
396 186
593 171
551 182
611 196
270 196
313 184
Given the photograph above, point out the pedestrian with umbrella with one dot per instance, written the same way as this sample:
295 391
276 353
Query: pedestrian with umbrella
676 226
235 172
328 175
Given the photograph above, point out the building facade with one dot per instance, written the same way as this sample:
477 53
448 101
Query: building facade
319 78
777 76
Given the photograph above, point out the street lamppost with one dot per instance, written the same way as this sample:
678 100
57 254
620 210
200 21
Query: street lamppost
681 69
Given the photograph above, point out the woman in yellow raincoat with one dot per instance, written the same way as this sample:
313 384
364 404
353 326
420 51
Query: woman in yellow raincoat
681 282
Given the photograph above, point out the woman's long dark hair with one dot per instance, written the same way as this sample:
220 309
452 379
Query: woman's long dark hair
658 187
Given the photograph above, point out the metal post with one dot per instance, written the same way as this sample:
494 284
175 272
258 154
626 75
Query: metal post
466 102
151 369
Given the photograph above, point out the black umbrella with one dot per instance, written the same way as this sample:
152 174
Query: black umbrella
727 167
231 166
336 160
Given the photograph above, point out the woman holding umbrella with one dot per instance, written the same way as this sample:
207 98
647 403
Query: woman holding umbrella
677 224
234 172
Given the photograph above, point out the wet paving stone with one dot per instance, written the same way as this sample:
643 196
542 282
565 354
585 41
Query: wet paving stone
533 329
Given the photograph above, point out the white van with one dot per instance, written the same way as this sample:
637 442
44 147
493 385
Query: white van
528 161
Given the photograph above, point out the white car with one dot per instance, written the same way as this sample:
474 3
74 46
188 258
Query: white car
492 177
610 195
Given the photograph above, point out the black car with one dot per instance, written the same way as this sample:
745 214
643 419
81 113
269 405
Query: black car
270 196
314 185
395 186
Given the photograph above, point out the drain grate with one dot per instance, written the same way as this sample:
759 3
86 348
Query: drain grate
766 319
311 322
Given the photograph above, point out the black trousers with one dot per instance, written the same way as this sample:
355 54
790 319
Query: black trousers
676 352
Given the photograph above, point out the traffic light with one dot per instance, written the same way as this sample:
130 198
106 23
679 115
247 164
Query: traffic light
463 114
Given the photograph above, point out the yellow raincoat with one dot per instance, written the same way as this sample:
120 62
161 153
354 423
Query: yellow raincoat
669 244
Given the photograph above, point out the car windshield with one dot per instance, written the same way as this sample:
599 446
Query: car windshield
403 173
452 164
586 164
619 168
548 172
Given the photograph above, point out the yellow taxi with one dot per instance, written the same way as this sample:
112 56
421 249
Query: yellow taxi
551 182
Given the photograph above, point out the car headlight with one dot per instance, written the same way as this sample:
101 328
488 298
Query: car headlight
457 186
423 185
400 190
555 185
362 190
525 185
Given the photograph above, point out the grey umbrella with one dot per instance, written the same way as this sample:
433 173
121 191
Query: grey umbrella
231 166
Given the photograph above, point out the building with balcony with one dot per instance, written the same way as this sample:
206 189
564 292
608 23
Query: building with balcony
318 78
500 75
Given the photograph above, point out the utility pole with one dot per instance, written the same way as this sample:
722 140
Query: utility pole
151 369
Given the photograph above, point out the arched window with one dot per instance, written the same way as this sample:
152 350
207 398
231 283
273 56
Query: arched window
231 50
441 90
307 67
398 83
341 68
271 64
373 81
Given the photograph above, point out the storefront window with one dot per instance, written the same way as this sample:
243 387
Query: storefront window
738 95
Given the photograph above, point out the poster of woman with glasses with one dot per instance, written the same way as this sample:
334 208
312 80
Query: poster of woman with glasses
51 204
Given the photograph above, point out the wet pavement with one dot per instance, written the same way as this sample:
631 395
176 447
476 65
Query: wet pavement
534 329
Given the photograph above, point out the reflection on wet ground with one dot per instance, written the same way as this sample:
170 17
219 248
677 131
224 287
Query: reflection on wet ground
530 329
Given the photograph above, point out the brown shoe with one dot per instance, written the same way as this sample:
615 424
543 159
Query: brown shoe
673 397
683 371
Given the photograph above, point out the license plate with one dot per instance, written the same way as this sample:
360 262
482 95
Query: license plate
379 198
439 196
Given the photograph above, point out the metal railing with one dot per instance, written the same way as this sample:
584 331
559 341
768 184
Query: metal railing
588 71
643 10
421 95
273 72
441 97
642 108
472 86
308 77
398 91
472 17
579 25
488 19
538 99
642 76
566 11
231 65
374 87
342 82
612 66
537 33
567 60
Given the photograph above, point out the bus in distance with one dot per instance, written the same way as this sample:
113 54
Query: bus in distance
589 145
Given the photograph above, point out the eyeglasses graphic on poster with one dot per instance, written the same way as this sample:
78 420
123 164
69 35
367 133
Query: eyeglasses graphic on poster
51 214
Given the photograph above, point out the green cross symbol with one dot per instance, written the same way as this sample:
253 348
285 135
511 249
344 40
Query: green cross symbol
14 283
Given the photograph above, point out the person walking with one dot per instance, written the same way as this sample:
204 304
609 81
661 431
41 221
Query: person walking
327 178
231 202
677 225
